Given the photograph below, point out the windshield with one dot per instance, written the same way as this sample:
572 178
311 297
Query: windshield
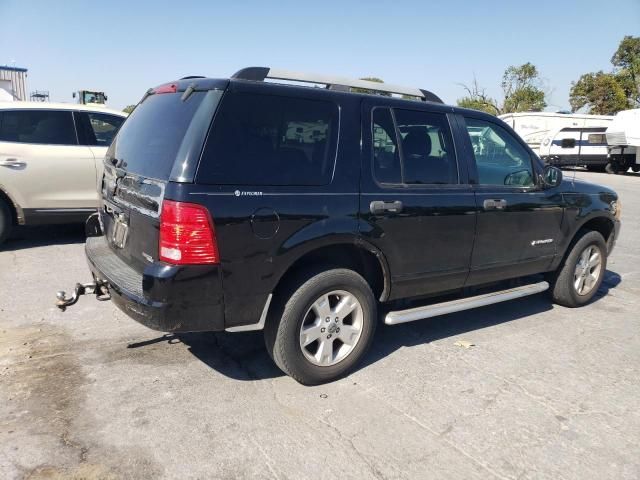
93 97
164 132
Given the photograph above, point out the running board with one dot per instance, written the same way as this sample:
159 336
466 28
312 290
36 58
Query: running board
436 309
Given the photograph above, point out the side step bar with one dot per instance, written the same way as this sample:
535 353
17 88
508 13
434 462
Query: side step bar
436 309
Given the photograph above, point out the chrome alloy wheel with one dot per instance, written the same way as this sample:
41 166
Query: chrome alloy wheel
588 270
331 328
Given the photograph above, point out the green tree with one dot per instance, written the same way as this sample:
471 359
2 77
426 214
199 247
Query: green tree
366 90
477 99
522 89
600 93
626 61
128 108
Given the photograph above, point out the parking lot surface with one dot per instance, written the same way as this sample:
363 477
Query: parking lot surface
545 392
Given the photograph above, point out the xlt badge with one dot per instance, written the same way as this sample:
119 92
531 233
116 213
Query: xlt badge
541 242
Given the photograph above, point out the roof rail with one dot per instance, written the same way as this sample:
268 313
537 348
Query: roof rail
345 84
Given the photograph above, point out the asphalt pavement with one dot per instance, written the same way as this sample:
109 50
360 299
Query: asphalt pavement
546 392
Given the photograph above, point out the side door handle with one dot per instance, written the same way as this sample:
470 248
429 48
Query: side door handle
12 163
378 206
494 204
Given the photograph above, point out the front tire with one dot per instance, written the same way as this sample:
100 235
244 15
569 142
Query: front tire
322 326
5 221
578 279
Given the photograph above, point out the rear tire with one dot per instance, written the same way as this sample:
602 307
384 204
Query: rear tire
579 277
322 325
6 221
617 168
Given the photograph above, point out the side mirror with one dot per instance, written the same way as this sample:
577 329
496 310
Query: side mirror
551 176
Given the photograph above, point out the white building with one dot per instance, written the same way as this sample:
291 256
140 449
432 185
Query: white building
13 84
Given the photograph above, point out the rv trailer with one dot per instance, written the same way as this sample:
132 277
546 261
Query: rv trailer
564 139
623 138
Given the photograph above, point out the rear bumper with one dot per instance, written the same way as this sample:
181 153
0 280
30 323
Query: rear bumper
164 297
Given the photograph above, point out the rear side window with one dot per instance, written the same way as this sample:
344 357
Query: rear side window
97 129
270 140
47 127
386 154
104 127
416 149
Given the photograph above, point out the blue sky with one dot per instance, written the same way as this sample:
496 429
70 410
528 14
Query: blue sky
124 47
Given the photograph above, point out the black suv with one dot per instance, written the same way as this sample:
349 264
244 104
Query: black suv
243 204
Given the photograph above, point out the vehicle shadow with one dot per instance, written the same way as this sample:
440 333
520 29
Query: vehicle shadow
242 356
40 236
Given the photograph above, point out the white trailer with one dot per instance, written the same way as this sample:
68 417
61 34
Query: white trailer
623 138
564 139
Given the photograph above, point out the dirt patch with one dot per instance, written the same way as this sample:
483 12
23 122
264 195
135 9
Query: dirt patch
42 393
84 471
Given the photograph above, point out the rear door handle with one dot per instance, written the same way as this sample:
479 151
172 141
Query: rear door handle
378 206
494 204
12 162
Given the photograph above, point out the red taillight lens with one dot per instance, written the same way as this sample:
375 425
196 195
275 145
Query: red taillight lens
168 88
187 236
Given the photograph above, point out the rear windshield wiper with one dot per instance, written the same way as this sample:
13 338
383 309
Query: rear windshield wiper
187 93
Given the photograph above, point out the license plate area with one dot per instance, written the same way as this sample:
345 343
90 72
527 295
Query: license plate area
120 231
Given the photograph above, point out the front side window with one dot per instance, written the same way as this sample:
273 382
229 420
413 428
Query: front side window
270 140
500 158
415 150
48 127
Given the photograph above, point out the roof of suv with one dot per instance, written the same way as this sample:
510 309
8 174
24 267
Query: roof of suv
333 86
58 106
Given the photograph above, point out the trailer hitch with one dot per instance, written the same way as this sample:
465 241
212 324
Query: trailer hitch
98 288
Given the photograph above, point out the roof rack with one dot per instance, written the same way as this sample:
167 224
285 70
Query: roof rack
344 84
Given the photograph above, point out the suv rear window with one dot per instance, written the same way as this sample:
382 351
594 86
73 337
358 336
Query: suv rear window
148 142
48 127
270 140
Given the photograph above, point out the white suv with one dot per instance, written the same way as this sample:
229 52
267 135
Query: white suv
50 161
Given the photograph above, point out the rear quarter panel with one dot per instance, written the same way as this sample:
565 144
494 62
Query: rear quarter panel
262 230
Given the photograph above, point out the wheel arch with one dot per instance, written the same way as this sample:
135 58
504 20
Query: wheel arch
353 253
601 224
17 215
